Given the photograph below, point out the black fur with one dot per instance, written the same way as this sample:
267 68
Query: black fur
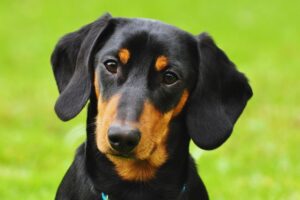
70 61
219 98
218 95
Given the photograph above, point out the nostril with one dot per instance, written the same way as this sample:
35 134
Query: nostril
133 138
113 139
131 143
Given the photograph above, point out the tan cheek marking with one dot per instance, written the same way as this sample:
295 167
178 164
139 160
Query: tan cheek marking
124 55
161 63
181 103
107 112
153 126
96 84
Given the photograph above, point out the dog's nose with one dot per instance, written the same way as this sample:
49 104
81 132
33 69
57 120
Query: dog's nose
123 138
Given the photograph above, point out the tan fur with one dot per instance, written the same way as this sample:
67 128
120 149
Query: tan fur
161 63
133 170
181 103
124 55
96 84
107 112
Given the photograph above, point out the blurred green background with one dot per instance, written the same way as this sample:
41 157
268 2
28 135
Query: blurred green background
260 161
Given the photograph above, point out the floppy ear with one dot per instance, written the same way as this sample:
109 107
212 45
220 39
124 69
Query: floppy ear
218 99
71 60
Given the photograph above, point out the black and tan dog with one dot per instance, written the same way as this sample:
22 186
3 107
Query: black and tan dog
151 88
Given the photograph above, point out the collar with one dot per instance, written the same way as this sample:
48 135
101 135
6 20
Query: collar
183 190
104 196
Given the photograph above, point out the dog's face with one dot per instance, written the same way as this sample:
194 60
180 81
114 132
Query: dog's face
144 74
142 81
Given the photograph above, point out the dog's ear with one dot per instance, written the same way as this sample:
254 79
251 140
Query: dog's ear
71 60
218 99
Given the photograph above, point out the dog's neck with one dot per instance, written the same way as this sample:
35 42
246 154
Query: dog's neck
170 177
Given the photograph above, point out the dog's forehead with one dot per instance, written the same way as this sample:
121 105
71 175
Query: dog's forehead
149 35
149 25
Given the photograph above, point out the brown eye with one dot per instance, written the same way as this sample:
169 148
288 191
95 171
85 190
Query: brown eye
111 66
169 78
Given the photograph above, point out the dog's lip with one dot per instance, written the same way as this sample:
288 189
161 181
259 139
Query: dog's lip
124 156
129 156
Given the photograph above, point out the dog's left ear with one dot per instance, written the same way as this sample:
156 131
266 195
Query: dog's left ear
70 60
218 99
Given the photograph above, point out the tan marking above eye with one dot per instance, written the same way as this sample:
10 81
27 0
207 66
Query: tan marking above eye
161 63
124 55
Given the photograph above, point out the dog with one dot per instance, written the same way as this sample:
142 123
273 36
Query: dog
151 88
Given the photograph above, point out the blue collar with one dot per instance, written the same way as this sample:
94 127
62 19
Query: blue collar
105 196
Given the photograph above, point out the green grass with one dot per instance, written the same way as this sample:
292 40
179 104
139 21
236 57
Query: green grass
260 161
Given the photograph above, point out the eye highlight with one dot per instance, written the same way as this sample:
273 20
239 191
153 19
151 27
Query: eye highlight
169 78
111 66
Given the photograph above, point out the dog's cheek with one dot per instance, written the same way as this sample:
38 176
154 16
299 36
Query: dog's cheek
101 105
107 112
96 84
160 155
154 129
161 131
179 107
146 123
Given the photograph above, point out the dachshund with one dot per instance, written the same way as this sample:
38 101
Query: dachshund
151 88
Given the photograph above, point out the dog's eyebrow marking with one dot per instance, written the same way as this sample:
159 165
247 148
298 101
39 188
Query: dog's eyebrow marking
161 63
124 55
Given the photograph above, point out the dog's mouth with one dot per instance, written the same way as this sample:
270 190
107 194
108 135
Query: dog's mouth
123 156
139 165
133 156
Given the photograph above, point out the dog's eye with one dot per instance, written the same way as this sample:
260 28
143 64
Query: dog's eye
111 66
169 78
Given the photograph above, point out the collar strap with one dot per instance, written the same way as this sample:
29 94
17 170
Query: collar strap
184 188
105 196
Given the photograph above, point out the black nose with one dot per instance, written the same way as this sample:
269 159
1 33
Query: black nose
123 138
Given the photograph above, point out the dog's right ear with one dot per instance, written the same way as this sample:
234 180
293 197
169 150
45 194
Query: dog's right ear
71 60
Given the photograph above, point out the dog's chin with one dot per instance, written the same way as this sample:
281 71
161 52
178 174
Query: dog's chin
138 165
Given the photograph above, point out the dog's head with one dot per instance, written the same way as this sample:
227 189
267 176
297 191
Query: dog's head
145 74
